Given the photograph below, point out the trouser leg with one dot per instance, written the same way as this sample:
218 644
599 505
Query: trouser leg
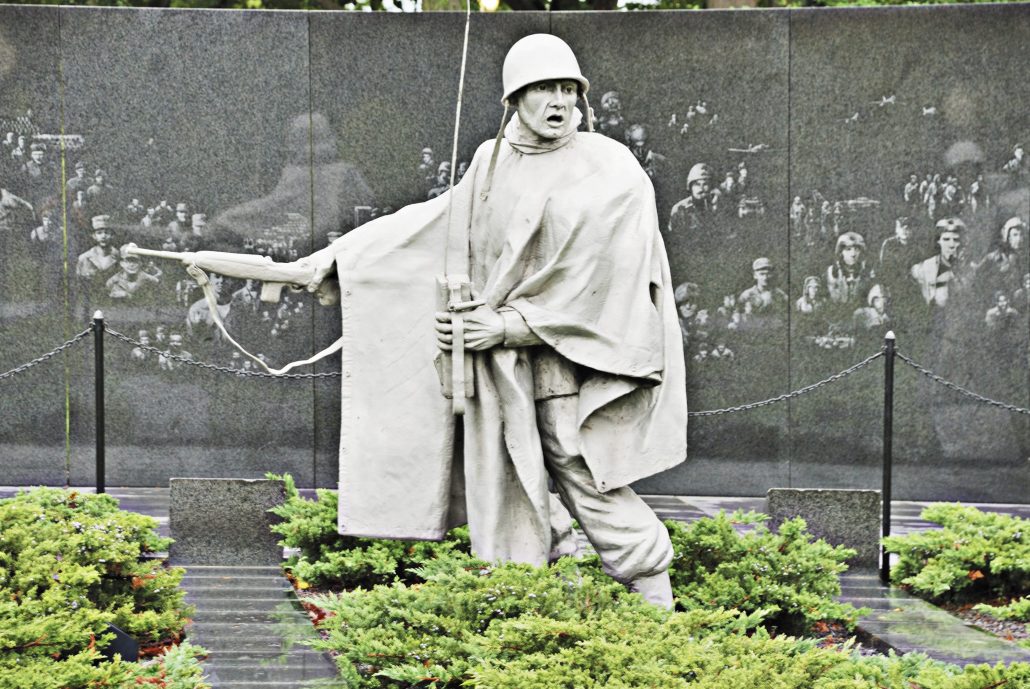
631 541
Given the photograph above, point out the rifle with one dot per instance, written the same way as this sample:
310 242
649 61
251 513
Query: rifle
273 276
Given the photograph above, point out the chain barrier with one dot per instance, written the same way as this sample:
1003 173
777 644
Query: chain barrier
795 393
53 352
959 389
242 373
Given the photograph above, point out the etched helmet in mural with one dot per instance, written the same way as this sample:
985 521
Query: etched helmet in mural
849 239
877 292
685 292
954 225
698 172
539 57
1012 223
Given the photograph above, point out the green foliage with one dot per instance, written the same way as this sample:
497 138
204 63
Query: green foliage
1017 610
519 627
70 564
788 574
327 559
792 577
975 555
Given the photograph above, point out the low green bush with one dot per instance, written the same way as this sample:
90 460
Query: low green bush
1017 610
789 574
520 627
327 559
70 565
974 556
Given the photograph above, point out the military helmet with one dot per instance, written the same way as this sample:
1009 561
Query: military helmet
685 292
850 239
877 291
950 225
539 57
698 172
1011 224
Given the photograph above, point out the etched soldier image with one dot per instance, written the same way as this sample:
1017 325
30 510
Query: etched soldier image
1002 267
610 121
175 348
811 300
636 140
1001 316
898 253
698 209
1018 164
138 356
874 316
935 275
848 278
46 231
100 260
131 282
763 298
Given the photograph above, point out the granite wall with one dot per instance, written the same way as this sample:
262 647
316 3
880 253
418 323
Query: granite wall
819 129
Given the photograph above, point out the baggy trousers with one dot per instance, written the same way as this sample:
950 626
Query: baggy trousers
626 533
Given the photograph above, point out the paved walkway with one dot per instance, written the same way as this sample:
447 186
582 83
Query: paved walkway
251 621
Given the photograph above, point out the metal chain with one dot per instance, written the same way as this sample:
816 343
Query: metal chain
958 388
39 360
214 367
796 393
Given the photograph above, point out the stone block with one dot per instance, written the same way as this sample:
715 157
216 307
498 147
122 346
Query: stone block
842 517
224 521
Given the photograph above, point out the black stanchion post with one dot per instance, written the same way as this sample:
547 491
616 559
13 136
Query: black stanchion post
98 371
888 448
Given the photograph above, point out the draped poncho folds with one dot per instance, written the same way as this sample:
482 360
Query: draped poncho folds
569 239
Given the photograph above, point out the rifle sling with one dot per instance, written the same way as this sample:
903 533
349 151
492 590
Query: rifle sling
212 303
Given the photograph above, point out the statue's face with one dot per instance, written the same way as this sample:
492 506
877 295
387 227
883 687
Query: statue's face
546 107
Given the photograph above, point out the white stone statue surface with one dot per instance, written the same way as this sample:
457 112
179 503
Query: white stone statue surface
569 327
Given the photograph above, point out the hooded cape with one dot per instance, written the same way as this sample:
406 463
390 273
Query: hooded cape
569 239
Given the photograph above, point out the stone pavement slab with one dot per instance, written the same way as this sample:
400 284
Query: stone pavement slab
253 626
906 624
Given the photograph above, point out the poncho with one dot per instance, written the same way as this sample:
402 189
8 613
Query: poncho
568 238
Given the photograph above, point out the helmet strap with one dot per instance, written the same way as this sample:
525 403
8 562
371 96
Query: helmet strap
590 113
493 156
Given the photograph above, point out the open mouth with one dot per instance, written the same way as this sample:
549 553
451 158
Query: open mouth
555 120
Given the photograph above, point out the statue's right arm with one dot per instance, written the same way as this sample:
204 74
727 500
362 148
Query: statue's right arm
311 273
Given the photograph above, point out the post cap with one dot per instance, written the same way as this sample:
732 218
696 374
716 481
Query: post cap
889 335
98 315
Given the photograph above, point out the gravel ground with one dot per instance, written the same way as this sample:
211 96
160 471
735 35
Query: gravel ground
1005 629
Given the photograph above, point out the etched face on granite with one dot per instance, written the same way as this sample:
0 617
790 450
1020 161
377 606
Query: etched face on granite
546 107
950 242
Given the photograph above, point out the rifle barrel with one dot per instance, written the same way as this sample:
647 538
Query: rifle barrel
173 255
